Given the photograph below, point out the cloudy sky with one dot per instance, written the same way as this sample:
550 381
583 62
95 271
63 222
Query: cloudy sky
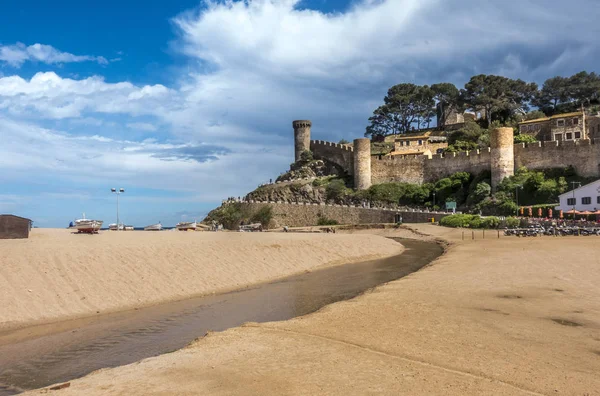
185 103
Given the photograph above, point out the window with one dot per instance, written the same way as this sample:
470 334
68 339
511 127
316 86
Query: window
538 127
598 199
560 123
568 136
571 201
420 142
586 200
577 135
575 121
408 142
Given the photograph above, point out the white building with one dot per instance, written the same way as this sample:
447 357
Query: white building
583 198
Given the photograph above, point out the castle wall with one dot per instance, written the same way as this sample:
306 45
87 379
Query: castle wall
362 163
339 154
502 151
300 215
409 169
301 137
582 155
443 165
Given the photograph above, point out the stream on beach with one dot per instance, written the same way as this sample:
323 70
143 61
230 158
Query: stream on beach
42 355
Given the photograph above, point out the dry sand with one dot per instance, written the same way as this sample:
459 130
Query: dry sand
502 316
56 275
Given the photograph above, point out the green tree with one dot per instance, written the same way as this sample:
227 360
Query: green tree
584 88
524 138
496 94
534 115
383 122
554 91
447 97
343 141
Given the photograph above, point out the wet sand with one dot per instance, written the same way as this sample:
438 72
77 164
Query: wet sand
82 346
56 275
501 316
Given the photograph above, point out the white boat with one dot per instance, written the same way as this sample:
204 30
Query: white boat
185 226
129 228
153 227
115 227
87 225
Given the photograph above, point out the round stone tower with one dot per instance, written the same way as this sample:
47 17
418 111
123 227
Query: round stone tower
362 163
502 153
301 137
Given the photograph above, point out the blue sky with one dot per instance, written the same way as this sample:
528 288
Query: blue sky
185 103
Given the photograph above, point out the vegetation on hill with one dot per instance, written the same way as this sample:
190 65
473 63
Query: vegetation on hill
233 214
472 193
407 107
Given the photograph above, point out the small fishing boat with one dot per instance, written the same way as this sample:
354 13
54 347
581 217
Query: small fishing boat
153 227
185 226
128 228
88 226
115 227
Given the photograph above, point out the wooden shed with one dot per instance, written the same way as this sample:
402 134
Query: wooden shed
14 227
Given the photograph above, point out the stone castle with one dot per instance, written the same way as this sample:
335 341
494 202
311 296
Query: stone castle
502 158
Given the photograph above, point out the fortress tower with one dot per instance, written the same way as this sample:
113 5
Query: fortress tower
502 155
362 163
301 137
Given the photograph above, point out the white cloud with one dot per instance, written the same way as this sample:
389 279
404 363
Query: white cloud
17 54
256 65
142 126
51 96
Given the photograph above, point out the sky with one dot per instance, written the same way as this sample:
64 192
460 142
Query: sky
185 103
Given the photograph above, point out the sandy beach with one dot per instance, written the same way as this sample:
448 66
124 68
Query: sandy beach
56 275
501 316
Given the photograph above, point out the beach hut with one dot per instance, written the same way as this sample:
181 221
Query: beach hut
14 227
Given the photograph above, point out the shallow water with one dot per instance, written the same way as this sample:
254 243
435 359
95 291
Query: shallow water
43 355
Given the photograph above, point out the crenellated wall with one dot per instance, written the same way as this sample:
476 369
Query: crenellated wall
442 165
339 154
583 155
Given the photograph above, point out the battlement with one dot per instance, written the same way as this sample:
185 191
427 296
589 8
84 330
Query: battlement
554 144
400 158
462 155
331 144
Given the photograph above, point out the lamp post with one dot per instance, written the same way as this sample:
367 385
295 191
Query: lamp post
433 201
574 200
517 196
118 192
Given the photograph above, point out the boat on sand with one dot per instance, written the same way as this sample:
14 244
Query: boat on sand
88 226
153 227
185 226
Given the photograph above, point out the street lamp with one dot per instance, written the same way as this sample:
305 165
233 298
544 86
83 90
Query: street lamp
517 187
433 201
118 192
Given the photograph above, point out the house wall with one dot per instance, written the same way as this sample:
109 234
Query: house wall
591 191
13 227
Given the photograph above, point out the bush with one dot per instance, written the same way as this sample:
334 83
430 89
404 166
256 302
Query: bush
524 138
457 220
343 141
512 222
336 190
324 221
470 221
263 216
306 156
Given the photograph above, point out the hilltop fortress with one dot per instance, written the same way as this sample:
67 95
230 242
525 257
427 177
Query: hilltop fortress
502 158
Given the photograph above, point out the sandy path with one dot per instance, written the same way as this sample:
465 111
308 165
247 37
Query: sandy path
503 317
56 275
